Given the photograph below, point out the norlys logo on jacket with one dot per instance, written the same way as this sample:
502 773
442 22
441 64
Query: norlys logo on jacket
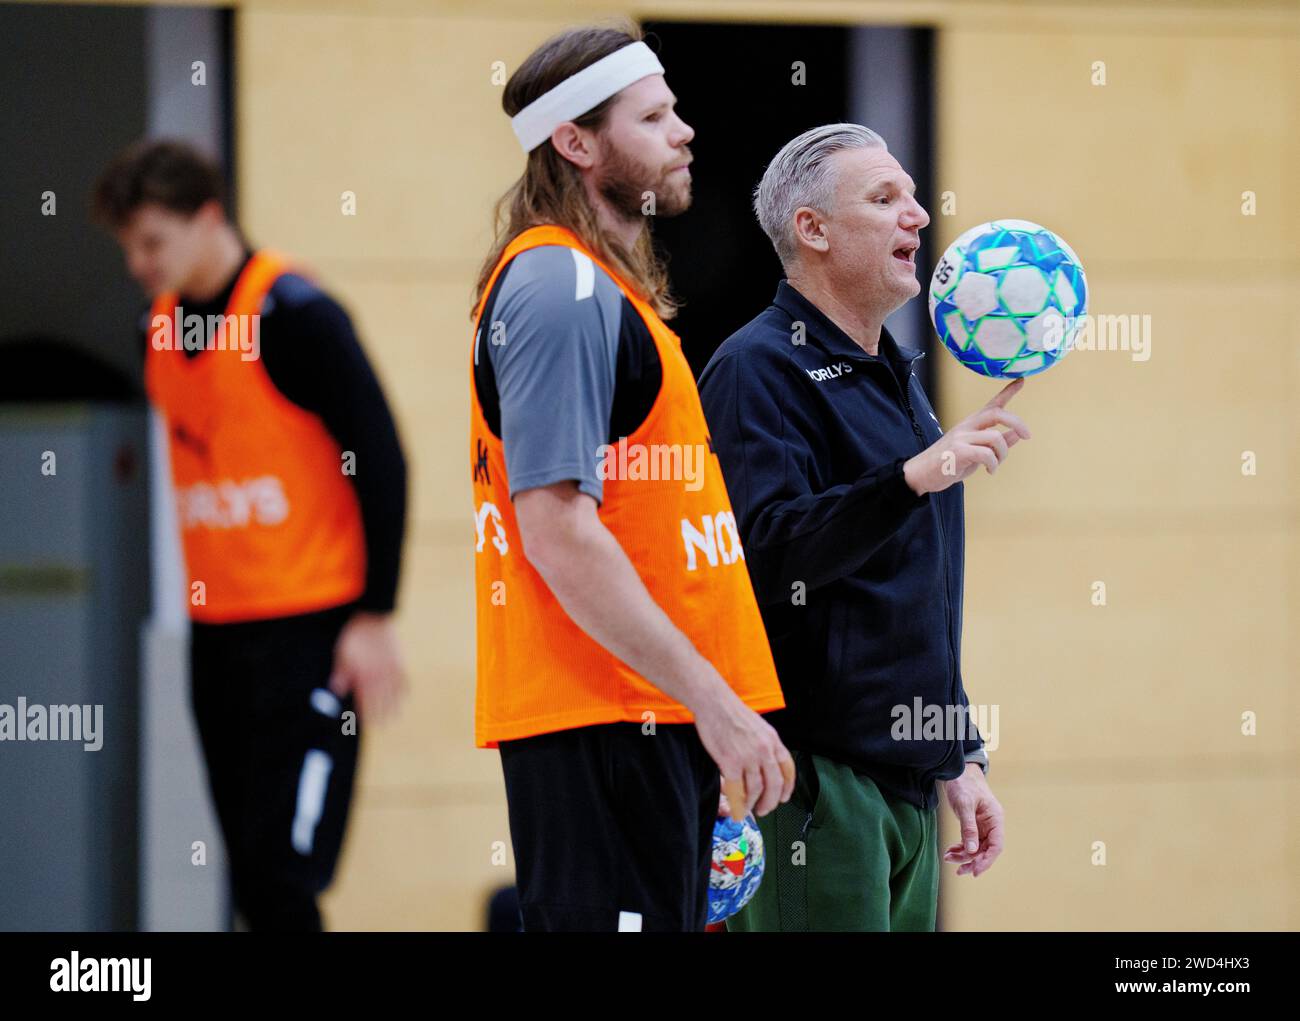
830 372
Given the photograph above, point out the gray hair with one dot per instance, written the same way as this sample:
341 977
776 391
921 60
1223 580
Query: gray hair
800 175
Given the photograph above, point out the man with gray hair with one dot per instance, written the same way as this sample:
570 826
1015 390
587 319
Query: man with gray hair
849 500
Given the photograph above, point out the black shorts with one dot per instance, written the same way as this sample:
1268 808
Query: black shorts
612 828
280 767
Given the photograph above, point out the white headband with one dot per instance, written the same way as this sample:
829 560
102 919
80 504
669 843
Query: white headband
580 92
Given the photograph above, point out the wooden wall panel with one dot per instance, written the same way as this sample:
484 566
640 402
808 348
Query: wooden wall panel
1123 723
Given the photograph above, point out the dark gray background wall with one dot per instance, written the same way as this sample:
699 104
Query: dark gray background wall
75 88
95 839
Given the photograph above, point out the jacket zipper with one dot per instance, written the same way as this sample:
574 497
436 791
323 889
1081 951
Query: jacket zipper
943 535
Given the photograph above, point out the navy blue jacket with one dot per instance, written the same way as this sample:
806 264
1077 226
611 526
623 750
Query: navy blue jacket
859 579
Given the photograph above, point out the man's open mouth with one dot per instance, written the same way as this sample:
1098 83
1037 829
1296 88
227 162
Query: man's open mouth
907 254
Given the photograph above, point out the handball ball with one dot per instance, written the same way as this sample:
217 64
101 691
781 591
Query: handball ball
1007 298
737 866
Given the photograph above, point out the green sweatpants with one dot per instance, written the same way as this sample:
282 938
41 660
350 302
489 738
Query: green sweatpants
842 856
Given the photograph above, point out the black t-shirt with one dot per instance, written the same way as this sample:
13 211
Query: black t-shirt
313 357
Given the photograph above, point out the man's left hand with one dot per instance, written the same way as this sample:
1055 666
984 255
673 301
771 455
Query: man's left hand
980 816
368 664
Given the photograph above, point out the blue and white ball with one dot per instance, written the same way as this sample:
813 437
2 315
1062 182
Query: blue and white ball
1007 298
737 866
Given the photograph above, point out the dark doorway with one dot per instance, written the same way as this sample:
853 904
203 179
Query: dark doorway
747 90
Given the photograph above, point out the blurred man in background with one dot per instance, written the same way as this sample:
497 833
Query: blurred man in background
290 487
614 609
849 498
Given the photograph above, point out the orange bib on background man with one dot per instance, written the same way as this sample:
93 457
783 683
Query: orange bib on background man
270 524
537 670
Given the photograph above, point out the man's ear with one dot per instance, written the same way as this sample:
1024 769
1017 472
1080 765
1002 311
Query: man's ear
809 229
212 213
575 144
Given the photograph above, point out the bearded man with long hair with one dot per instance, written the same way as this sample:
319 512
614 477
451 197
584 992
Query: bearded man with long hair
622 663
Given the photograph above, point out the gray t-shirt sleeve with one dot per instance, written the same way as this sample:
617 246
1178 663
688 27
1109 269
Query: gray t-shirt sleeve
553 343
